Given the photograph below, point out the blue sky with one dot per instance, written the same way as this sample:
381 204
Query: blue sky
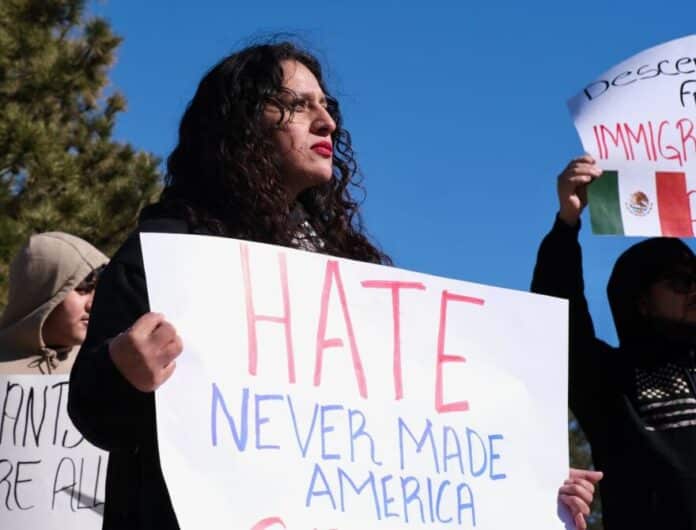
457 109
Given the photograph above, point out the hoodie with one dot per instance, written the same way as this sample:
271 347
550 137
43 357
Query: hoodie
636 403
41 275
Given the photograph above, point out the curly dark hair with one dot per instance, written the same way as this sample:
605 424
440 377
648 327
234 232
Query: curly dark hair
224 176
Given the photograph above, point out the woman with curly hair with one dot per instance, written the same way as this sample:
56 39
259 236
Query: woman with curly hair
262 155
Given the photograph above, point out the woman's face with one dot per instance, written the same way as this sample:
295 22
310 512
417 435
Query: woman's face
303 139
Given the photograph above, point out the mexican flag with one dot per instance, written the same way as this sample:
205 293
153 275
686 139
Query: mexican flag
640 207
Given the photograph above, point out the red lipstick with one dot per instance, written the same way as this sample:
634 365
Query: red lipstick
324 149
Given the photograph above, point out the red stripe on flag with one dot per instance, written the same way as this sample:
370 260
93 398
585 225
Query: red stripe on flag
673 204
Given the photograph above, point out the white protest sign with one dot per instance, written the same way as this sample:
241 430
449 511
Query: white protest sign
322 393
50 477
637 120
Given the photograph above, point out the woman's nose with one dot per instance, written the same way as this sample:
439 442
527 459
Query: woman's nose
88 302
323 124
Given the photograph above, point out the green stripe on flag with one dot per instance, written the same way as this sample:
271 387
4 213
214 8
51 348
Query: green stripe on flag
605 204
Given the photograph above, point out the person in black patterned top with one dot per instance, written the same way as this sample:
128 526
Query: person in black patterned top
636 403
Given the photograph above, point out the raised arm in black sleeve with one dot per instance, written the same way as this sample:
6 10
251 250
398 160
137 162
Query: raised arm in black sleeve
558 272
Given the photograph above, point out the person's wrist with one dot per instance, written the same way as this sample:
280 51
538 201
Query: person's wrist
113 348
570 218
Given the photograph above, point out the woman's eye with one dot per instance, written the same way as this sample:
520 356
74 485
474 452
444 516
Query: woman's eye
300 104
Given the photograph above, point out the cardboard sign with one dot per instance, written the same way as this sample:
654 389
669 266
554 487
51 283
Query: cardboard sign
322 393
50 477
638 120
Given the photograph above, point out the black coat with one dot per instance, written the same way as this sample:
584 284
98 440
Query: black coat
636 403
110 412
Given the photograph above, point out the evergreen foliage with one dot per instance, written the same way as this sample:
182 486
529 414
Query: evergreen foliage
60 168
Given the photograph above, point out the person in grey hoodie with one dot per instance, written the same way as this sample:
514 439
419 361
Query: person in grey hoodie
51 285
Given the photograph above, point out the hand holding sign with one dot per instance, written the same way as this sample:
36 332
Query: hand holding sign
572 187
577 493
145 353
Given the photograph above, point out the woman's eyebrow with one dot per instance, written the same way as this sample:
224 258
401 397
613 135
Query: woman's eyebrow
320 97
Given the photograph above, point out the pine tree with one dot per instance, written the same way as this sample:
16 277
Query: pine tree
60 169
